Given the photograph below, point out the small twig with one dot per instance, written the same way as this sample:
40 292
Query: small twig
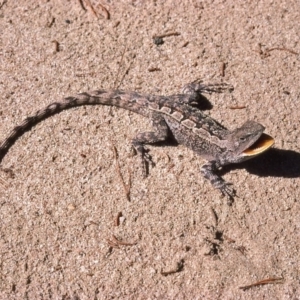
237 107
115 243
49 24
266 52
117 24
123 243
89 4
154 69
216 218
112 244
185 44
222 69
166 35
56 45
117 220
125 186
81 5
282 49
105 11
178 268
262 282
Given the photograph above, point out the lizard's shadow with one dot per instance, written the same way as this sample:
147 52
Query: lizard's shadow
203 103
275 162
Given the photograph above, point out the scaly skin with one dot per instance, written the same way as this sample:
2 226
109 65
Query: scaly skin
176 115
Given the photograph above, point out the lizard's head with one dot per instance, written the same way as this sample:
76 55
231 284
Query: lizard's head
249 141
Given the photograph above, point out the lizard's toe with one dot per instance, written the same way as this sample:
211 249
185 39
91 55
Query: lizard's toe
146 161
147 157
228 191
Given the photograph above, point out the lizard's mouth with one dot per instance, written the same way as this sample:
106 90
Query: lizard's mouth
264 142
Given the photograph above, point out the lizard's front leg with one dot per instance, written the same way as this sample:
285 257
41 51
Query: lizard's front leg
194 90
208 170
161 134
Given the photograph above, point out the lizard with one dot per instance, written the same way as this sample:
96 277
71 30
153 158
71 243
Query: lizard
178 116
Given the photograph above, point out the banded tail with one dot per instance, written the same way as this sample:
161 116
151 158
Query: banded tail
113 98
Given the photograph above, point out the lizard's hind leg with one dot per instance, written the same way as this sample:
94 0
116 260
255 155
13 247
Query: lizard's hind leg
150 137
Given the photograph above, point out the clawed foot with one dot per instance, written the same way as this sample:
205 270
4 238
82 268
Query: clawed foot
215 88
146 160
198 86
208 170
228 191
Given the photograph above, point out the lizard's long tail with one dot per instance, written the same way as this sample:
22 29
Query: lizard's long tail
115 98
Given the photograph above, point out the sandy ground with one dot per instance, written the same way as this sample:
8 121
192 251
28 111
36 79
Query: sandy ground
61 191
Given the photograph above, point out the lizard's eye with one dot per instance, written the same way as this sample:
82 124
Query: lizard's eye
245 137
